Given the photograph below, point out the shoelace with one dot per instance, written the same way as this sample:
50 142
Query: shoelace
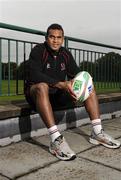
59 139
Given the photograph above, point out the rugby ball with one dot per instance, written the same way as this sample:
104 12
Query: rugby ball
82 85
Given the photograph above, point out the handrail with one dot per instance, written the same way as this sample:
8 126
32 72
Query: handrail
67 38
22 29
92 43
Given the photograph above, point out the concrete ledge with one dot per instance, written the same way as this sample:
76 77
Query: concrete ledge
21 108
18 122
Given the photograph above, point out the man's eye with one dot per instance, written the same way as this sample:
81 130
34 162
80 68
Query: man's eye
53 37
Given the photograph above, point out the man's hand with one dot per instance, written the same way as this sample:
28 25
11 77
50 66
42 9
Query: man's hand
67 86
70 89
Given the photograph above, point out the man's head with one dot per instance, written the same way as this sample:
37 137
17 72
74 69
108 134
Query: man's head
55 36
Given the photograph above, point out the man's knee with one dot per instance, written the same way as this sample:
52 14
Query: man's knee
40 88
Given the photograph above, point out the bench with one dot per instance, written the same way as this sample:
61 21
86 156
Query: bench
19 122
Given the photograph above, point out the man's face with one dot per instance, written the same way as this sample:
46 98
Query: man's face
55 39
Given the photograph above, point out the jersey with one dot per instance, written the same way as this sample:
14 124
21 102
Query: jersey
45 65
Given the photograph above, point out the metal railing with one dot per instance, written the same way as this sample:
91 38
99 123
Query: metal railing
98 59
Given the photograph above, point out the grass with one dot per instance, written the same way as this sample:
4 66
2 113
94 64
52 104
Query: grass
105 91
12 91
101 88
11 98
11 87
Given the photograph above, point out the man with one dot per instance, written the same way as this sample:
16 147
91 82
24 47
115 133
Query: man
46 86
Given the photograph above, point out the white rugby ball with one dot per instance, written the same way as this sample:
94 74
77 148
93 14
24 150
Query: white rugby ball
82 85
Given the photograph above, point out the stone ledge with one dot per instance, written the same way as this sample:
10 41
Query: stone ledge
21 108
20 123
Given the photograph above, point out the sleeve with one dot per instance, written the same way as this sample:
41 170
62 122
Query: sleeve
72 68
35 68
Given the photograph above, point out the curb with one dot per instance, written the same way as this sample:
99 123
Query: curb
20 128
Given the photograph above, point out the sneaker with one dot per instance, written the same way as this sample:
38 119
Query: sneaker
104 139
61 149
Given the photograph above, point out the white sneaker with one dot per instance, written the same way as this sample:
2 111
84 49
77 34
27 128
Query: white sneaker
104 139
61 149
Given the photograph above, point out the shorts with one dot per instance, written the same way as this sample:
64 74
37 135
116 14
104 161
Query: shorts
59 99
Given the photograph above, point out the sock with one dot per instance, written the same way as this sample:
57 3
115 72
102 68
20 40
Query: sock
96 125
54 133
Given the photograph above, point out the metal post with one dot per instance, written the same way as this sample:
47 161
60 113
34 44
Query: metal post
9 74
66 42
16 67
0 67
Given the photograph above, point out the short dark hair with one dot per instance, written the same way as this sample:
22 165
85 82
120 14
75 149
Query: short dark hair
54 26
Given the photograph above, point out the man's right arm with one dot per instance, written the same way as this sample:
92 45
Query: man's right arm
35 68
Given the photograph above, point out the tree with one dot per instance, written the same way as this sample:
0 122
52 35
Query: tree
108 68
22 70
9 69
88 66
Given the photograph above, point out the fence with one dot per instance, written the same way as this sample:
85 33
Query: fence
102 61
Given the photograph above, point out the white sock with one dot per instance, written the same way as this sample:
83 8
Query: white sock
54 133
96 125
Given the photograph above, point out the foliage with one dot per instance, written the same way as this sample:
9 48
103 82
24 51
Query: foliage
105 69
9 69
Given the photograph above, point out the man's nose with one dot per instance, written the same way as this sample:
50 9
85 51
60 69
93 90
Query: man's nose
55 39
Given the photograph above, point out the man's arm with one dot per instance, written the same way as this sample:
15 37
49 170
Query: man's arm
66 86
35 67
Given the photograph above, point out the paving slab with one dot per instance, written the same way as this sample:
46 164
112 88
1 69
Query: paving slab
107 157
79 169
113 123
22 158
3 178
30 160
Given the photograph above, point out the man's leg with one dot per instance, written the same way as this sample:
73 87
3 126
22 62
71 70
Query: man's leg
98 136
92 106
40 95
59 147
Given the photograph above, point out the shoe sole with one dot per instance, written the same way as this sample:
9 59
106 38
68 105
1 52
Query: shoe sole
60 157
96 142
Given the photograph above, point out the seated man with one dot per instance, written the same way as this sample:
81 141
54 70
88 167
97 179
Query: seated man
46 86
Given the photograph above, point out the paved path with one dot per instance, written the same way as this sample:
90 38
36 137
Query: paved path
30 160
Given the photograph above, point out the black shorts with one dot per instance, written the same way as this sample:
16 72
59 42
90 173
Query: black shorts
58 99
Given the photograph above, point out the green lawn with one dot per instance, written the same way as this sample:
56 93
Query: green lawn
100 88
11 88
